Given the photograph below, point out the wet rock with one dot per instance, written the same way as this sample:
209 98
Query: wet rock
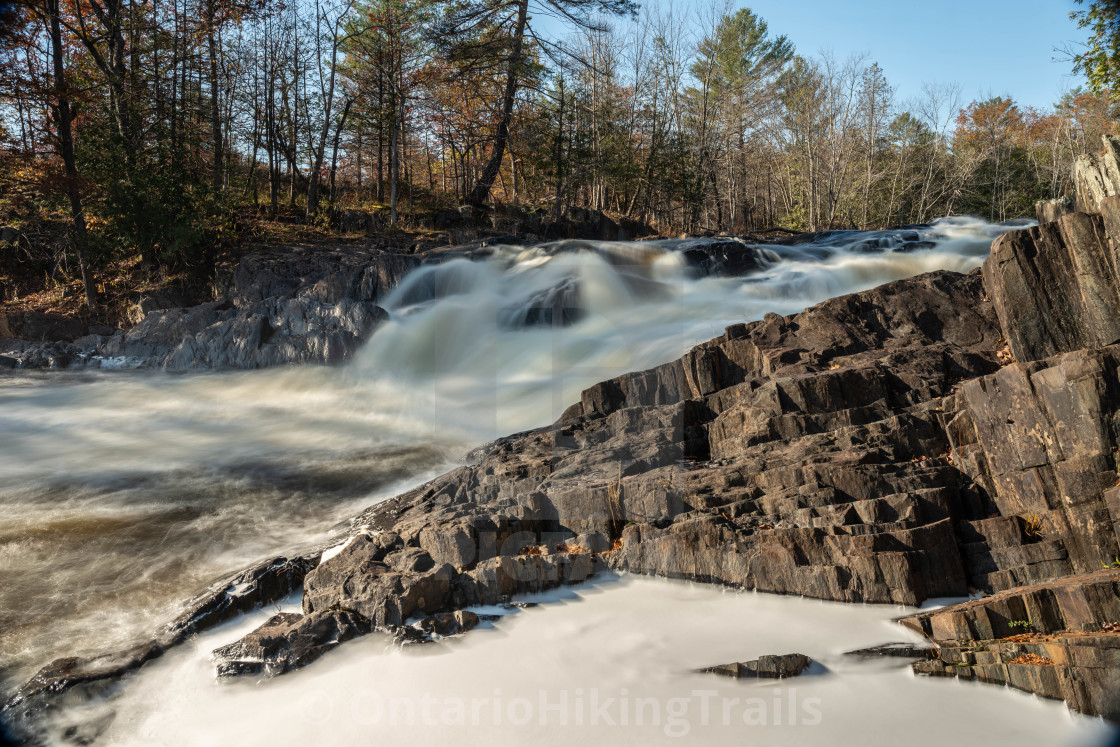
273 332
554 307
916 246
360 578
263 583
288 641
276 307
329 275
724 257
764 667
450 623
43 355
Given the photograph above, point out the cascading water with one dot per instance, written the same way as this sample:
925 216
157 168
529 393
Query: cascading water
124 493
507 344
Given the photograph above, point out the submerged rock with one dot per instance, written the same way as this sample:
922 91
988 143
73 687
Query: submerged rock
895 650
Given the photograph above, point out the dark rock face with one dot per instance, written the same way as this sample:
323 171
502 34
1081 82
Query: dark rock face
35 326
764 667
1056 287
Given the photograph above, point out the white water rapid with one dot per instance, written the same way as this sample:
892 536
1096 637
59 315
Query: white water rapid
123 494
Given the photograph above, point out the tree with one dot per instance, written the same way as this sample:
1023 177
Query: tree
329 23
385 46
468 27
44 22
1100 62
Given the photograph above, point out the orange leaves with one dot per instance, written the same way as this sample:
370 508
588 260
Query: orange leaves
1033 660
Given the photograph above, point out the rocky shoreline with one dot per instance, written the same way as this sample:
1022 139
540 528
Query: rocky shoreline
940 436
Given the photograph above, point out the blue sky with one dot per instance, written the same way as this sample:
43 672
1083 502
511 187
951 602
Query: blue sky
989 47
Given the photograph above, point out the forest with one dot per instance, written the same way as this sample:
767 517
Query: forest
154 134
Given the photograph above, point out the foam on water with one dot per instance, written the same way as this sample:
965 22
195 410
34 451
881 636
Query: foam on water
637 304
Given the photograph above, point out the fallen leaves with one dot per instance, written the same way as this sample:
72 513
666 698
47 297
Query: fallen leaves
1033 660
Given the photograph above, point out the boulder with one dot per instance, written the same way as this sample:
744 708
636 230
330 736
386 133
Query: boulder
764 667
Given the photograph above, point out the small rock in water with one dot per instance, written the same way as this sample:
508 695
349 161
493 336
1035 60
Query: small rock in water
764 667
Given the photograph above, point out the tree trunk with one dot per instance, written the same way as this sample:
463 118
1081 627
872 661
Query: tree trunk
215 88
334 148
395 164
64 118
485 183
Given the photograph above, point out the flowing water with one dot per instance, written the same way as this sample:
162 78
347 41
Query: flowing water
123 494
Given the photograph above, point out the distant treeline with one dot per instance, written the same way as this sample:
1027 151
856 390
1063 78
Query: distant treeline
149 123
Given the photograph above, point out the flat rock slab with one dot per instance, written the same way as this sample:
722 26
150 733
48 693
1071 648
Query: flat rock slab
895 650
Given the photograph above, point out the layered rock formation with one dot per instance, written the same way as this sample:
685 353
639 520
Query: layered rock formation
1059 639
796 455
1041 437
